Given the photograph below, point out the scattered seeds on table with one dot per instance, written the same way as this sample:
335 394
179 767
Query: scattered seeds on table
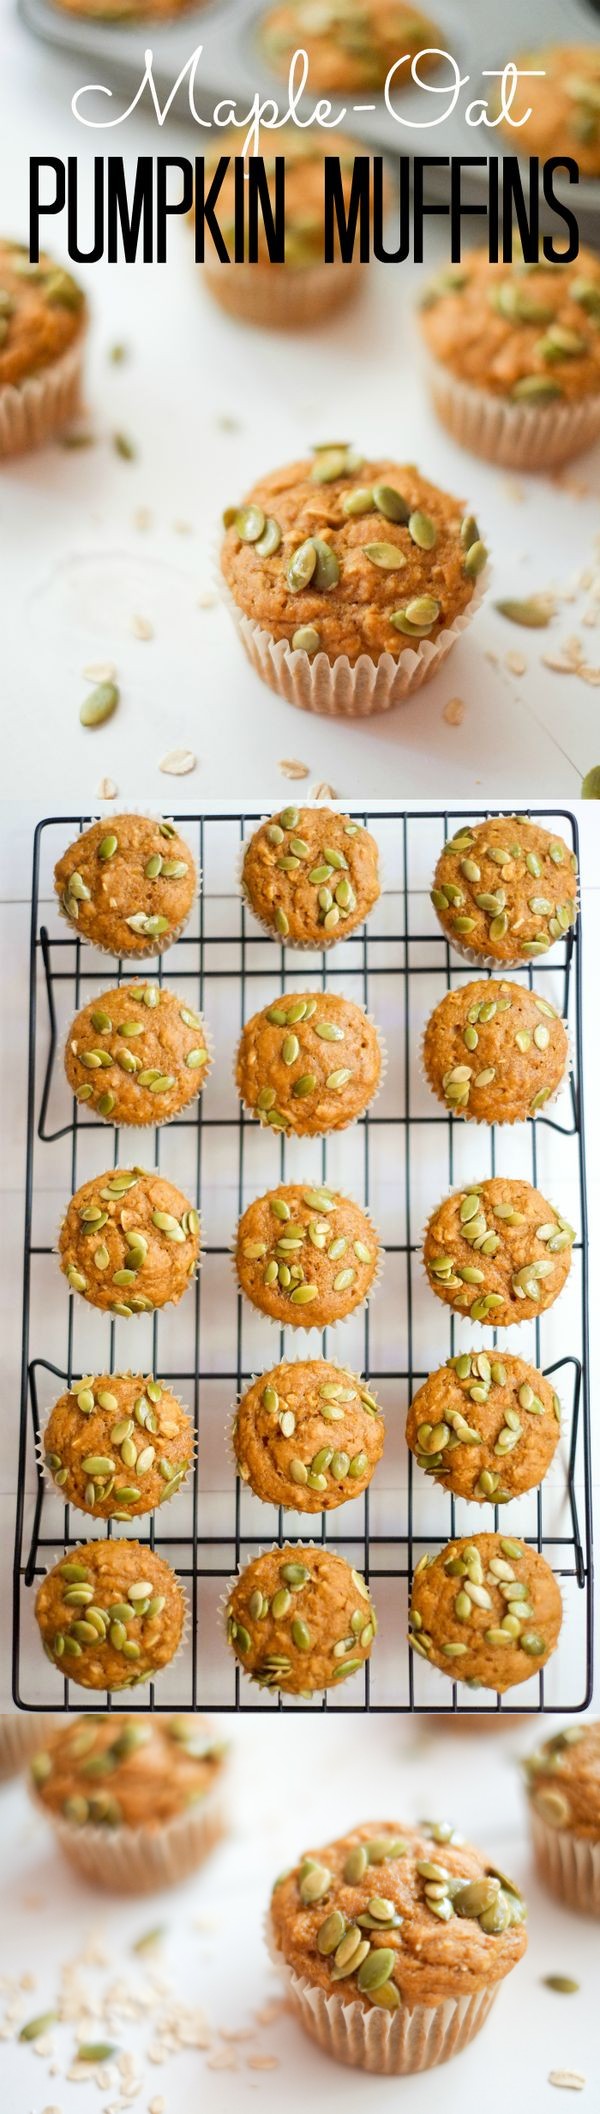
125 447
535 613
590 785
99 705
563 1984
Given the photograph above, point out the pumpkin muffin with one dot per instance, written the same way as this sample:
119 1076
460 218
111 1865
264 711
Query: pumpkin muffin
495 1052
485 1427
394 1941
498 1251
118 1444
351 44
298 292
514 356
311 876
308 1064
137 1054
128 11
504 890
129 1241
111 1614
563 1786
348 579
43 320
20 1734
306 1257
307 1436
299 1619
564 102
135 1802
128 889
486 1611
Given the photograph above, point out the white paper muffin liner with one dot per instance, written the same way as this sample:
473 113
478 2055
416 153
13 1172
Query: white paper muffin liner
141 1860
516 436
86 1511
277 1321
229 1427
275 1548
99 997
280 297
154 1674
20 1734
157 946
365 2037
568 1864
469 1115
136 1313
322 1130
43 403
325 939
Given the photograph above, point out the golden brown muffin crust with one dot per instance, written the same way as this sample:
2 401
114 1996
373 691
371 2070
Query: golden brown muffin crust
118 1444
526 333
564 104
308 1435
42 313
498 1251
351 44
485 1426
495 1052
505 888
110 1614
128 887
129 1241
137 1054
563 1780
306 1256
308 1063
130 1772
311 875
300 1619
486 1611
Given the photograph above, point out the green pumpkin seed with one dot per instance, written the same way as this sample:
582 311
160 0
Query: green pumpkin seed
422 530
390 503
534 613
387 556
250 523
301 566
268 542
97 707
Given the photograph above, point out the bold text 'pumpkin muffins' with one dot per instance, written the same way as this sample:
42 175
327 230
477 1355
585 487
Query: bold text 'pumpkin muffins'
485 1426
306 1257
486 1611
504 890
300 1619
297 292
43 318
495 1052
309 1063
564 101
118 1444
307 1435
350 44
394 1941
111 1614
311 876
514 356
498 1251
129 887
135 1802
563 1786
129 1241
137 1054
349 580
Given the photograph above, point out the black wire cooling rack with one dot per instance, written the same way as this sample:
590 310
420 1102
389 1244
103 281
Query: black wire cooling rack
404 1155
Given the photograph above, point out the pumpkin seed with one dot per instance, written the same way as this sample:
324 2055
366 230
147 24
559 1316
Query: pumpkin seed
390 503
387 556
250 523
97 707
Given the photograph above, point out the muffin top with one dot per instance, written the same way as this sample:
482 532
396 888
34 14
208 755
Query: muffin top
128 888
129 1241
42 312
485 1426
498 1251
350 43
137 1054
311 875
495 1052
118 1444
111 1614
307 1257
300 1619
390 1914
126 1772
563 1779
564 103
526 332
486 1611
308 1435
506 888
304 154
309 1063
345 556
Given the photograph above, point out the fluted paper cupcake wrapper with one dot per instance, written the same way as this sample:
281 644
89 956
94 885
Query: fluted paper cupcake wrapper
519 436
43 404
156 947
143 1312
156 1122
280 297
86 1511
229 1429
288 1322
140 1860
321 1130
325 939
568 1864
469 1115
391 2044
20 1734
275 1548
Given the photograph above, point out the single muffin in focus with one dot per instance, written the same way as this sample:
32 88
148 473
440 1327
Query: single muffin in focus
43 322
135 1802
498 1252
129 1242
563 1787
307 1435
128 888
298 292
350 44
309 1063
117 1445
20 1733
110 1614
300 1620
394 1941
514 356
485 1426
486 1611
306 1257
137 1055
495 1052
349 580
504 890
311 876
563 98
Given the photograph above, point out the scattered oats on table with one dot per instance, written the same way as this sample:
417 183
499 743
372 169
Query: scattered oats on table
322 791
454 711
178 762
99 672
106 789
515 663
291 768
142 628
569 2080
